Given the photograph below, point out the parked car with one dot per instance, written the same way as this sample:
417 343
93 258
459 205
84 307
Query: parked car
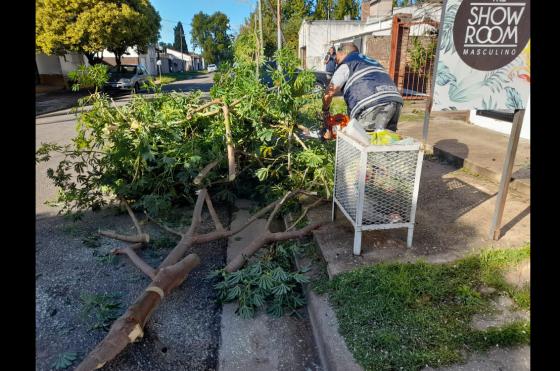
126 77
212 68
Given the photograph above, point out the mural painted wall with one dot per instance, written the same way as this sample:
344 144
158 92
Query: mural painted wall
484 56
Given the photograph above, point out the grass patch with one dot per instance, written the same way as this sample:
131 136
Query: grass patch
167 78
397 316
338 106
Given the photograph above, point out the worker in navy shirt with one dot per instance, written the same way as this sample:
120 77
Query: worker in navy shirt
370 94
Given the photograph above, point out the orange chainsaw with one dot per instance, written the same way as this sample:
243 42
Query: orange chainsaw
334 123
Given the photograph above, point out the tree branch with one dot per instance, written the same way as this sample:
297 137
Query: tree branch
186 238
267 237
304 212
130 326
132 216
229 143
135 259
213 214
277 208
203 107
204 172
143 238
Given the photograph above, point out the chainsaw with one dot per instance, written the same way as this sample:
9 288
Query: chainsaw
334 123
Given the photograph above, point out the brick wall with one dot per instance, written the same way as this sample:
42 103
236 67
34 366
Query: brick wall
365 9
379 48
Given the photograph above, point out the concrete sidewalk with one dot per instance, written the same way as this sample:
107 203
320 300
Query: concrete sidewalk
262 343
56 101
478 150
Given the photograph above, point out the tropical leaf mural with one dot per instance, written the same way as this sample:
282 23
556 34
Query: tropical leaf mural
513 100
495 79
458 86
444 75
490 105
447 29
461 92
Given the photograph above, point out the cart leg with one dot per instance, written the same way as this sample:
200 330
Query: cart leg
409 237
357 242
333 210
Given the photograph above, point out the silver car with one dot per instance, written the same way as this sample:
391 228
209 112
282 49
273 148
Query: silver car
212 68
127 77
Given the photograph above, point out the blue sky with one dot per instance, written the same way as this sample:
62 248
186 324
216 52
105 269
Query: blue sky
172 11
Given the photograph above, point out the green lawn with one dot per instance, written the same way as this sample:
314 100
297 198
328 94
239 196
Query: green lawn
338 106
406 316
167 78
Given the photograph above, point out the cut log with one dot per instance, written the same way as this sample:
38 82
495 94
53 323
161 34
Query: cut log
130 326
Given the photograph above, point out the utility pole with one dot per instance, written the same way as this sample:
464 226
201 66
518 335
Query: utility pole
181 42
258 47
261 45
279 37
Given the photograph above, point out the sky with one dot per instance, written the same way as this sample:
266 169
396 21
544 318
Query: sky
172 11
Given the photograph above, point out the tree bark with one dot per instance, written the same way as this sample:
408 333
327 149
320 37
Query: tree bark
129 327
173 271
267 237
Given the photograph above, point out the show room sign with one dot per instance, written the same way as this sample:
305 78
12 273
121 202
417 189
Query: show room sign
484 56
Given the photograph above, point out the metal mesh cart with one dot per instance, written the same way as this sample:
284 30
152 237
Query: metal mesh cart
376 187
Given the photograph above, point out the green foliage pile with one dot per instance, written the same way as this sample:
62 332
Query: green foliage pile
268 281
149 150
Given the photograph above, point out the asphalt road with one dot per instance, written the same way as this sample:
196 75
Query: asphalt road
59 127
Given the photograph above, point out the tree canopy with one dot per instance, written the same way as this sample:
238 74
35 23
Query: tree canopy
293 12
180 43
210 33
90 26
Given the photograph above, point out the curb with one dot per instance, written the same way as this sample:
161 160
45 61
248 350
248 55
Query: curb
517 185
333 352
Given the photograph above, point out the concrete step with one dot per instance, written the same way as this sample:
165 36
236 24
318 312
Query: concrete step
480 151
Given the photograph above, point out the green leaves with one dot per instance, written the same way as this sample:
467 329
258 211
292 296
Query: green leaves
267 281
64 360
104 308
89 76
263 173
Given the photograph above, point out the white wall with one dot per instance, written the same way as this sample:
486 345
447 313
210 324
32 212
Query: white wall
71 61
48 64
504 126
318 36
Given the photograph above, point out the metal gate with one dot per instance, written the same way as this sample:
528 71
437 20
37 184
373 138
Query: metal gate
413 49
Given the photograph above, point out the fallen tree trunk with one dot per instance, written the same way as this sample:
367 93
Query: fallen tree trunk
173 271
130 326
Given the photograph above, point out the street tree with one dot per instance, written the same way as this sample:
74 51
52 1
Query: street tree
346 7
180 43
323 9
89 27
210 33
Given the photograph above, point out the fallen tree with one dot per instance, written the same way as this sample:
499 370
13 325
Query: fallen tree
147 153
174 269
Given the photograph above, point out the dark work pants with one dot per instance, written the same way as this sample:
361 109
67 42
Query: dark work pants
383 116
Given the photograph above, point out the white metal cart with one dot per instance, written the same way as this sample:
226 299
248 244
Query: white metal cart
376 187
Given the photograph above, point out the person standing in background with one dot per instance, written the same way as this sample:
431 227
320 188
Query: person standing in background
330 63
